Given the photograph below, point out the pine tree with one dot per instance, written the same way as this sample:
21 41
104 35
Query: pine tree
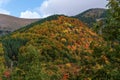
112 29
11 49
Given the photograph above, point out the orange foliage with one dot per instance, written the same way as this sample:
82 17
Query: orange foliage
65 76
86 46
7 74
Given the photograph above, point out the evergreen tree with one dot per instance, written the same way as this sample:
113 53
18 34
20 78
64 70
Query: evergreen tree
11 49
112 29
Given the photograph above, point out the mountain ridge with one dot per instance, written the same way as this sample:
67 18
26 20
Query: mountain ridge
10 23
91 16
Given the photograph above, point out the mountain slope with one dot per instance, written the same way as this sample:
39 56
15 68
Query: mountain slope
58 48
92 15
60 30
10 23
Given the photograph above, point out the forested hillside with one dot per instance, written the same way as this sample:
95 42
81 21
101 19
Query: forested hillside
63 48
58 39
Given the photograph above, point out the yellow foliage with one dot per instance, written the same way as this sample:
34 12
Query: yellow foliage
65 31
68 65
98 66
63 40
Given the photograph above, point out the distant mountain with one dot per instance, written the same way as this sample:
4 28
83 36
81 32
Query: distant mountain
10 23
92 15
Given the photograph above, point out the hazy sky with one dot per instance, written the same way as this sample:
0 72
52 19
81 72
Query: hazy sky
43 8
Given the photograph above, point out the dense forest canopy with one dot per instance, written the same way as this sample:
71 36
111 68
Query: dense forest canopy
63 48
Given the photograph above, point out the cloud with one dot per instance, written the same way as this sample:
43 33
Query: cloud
66 7
2 11
3 2
69 7
29 14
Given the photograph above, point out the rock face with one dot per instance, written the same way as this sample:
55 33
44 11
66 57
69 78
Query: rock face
10 23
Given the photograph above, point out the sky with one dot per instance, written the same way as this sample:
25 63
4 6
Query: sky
44 8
